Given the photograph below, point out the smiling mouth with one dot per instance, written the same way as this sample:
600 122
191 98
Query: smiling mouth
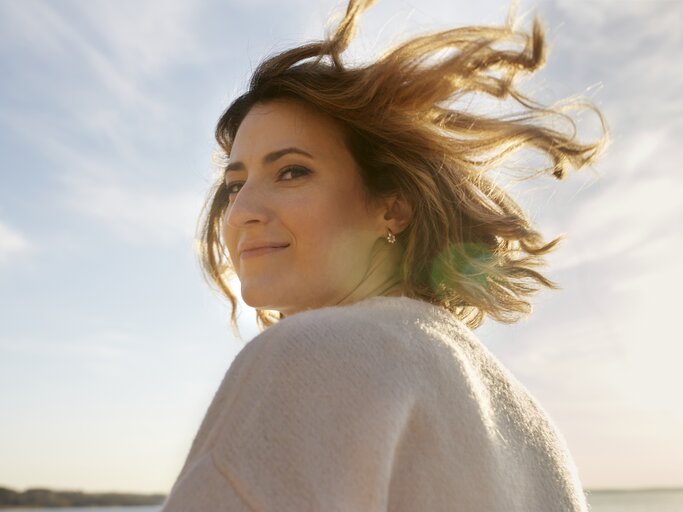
261 251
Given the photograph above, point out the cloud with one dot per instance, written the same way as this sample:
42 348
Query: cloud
630 47
131 194
144 38
138 216
12 244
97 74
636 204
120 46
601 354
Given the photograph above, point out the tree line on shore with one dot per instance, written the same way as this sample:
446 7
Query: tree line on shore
49 498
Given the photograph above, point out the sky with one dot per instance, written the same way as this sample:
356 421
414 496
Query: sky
112 344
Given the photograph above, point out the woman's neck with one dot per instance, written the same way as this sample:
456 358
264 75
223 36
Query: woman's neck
382 276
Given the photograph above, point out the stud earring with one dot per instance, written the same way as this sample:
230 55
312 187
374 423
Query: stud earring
391 238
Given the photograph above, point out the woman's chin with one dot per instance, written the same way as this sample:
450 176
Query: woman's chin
259 297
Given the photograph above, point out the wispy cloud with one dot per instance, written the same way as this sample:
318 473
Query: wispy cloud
12 243
140 216
635 204
631 47
119 45
630 50
600 353
106 124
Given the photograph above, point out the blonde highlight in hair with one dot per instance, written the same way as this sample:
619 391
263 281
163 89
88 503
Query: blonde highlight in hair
469 247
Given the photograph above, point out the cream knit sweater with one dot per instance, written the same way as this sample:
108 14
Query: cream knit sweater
389 404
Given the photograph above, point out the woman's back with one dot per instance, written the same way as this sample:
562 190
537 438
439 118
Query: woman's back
386 404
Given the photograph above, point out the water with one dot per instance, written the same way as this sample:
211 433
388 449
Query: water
637 501
600 501
154 508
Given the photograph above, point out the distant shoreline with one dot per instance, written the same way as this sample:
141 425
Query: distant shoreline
42 497
636 489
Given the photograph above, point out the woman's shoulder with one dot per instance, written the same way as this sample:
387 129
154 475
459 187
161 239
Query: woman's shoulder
383 311
384 332
351 350
353 330
366 337
372 321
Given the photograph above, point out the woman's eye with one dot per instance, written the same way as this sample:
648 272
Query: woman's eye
294 172
233 187
287 174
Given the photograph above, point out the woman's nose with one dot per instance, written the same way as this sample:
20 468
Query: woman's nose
247 206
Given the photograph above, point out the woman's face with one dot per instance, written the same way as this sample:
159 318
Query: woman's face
297 227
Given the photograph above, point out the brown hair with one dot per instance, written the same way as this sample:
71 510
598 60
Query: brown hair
469 247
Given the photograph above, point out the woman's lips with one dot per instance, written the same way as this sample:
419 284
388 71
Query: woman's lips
261 250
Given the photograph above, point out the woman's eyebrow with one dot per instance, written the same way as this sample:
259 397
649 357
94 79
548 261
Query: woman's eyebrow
269 158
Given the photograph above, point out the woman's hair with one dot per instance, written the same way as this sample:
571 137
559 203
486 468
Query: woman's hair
468 247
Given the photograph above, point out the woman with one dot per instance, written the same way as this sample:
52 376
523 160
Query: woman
357 215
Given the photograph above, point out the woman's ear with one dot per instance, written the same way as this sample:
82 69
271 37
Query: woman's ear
397 213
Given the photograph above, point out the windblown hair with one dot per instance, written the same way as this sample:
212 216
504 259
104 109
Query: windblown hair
468 247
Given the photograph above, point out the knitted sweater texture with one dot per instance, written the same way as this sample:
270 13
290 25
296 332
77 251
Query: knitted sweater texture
388 404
